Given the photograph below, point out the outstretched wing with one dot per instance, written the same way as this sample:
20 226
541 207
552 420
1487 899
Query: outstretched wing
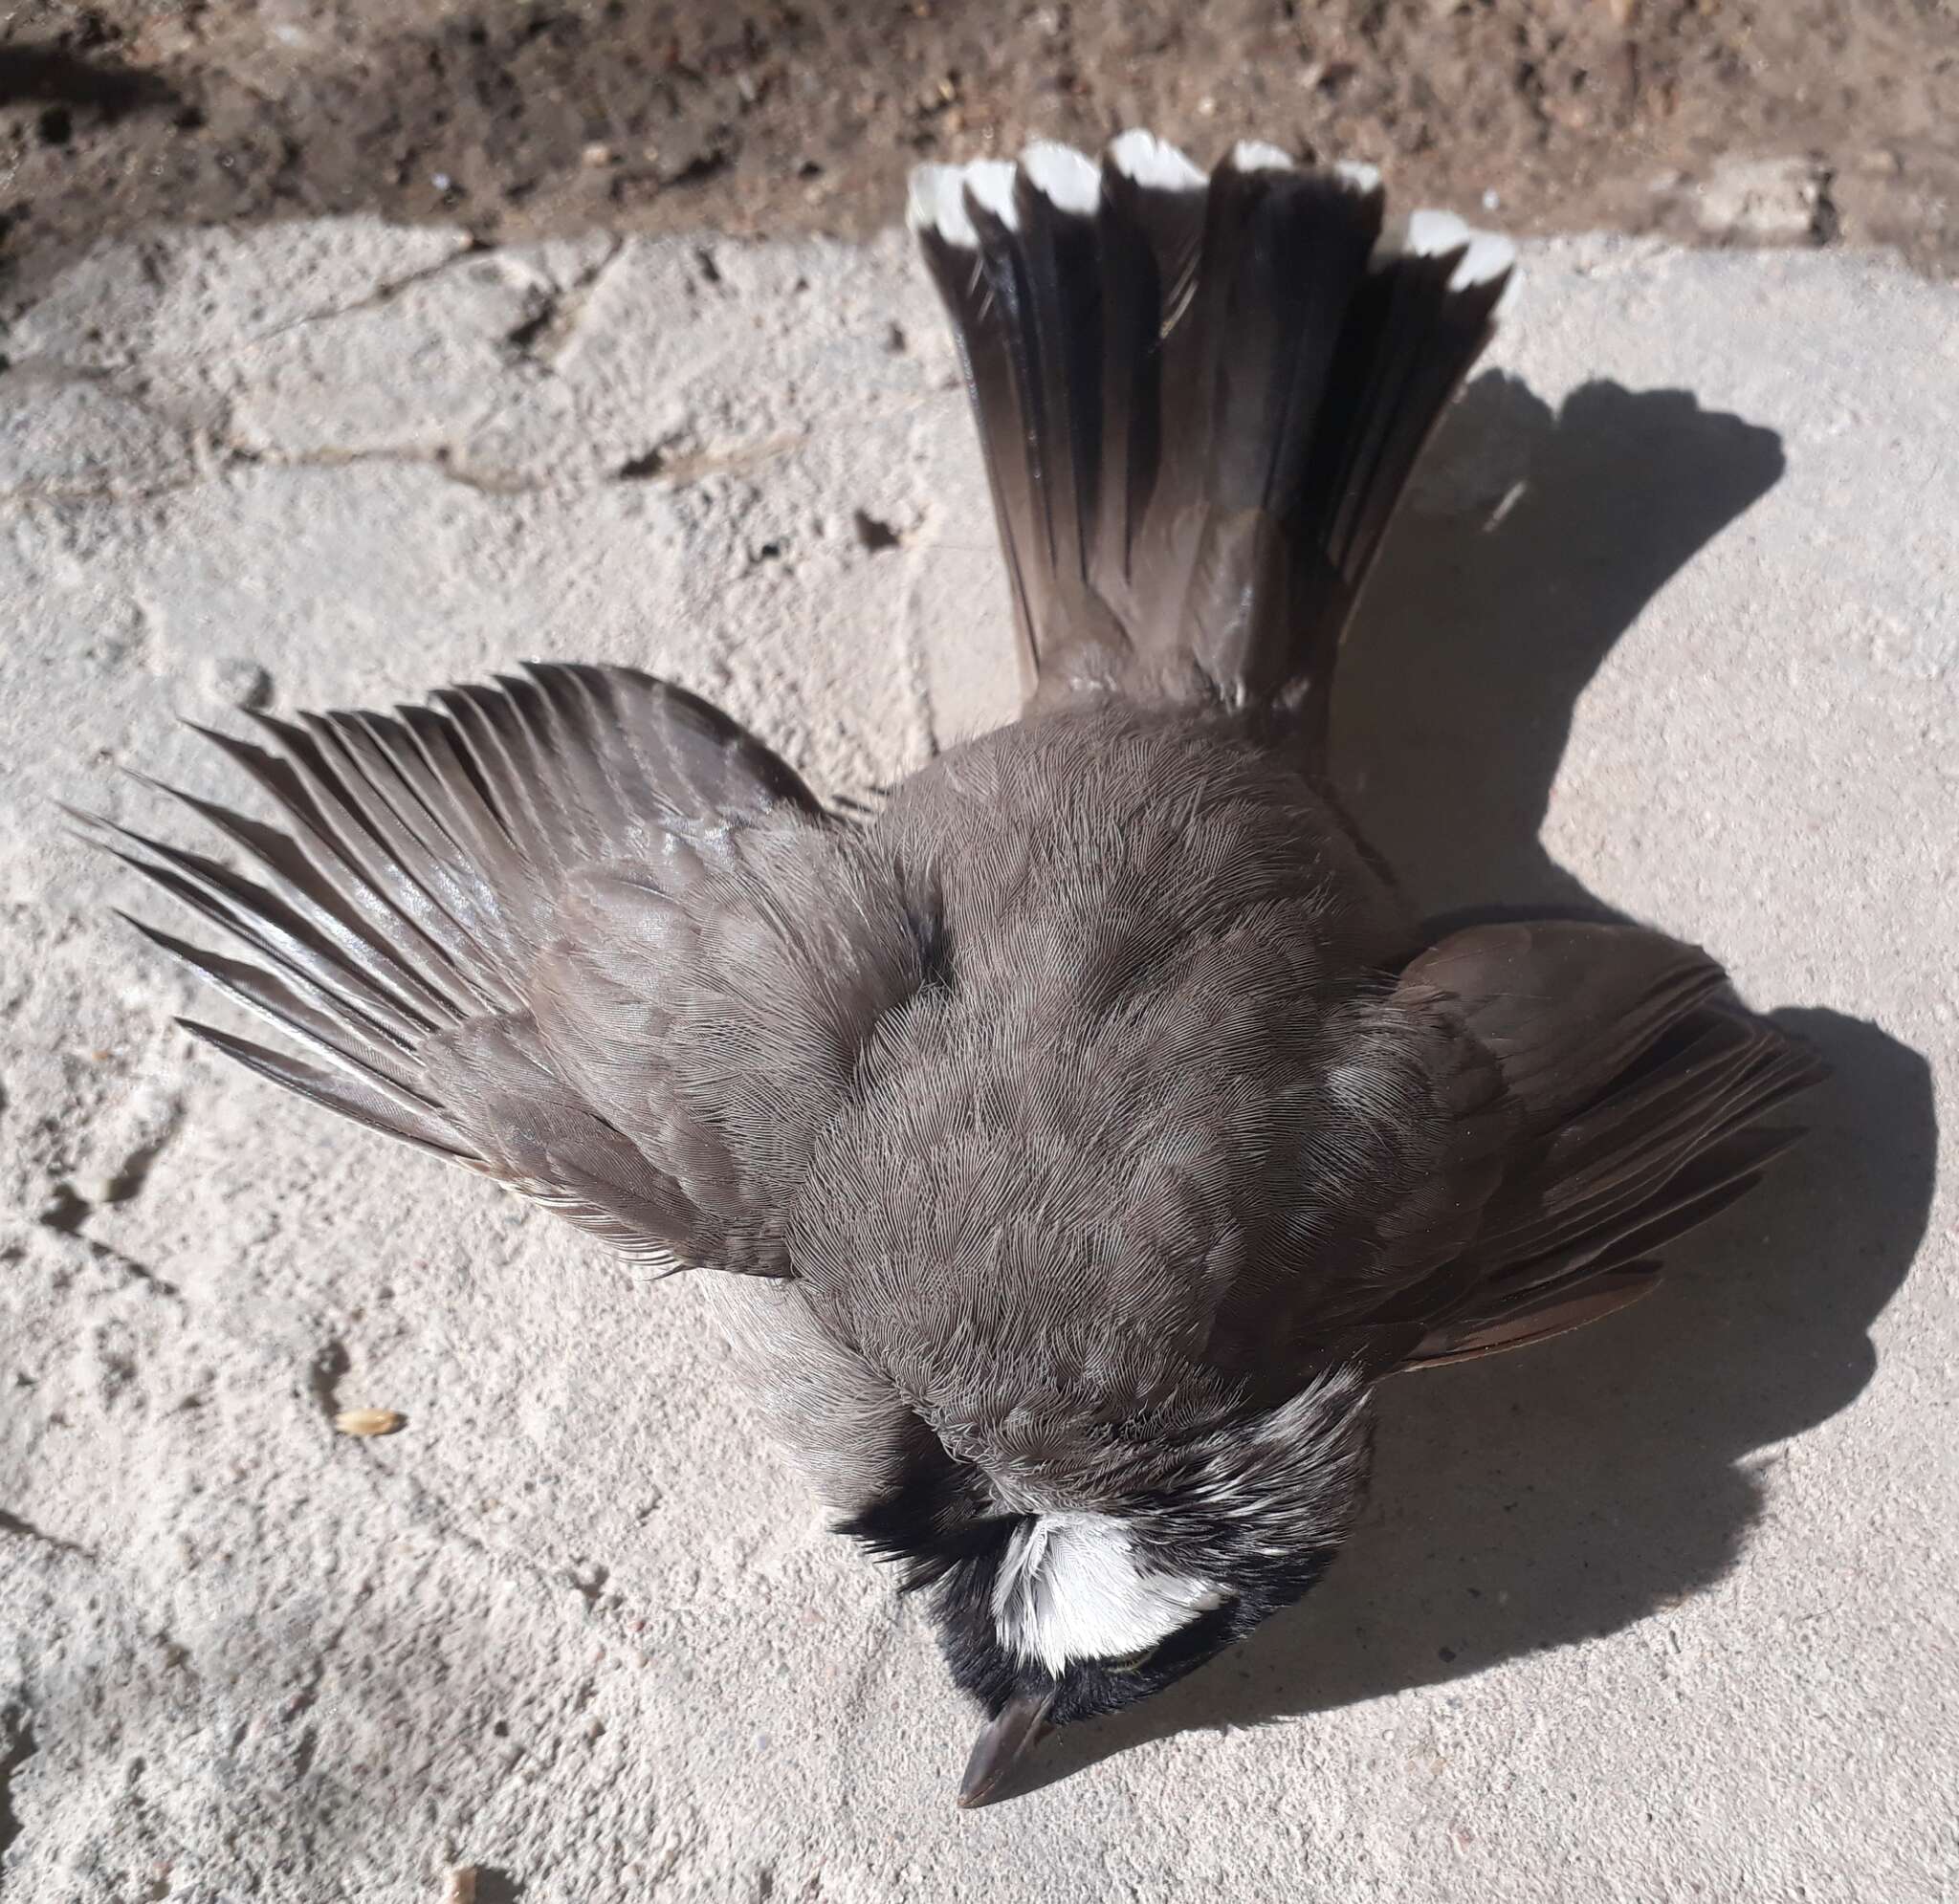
578 931
1504 1144
1635 1089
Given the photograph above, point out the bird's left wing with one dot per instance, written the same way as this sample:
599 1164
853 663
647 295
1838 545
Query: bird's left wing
1603 1094
1505 1141
578 931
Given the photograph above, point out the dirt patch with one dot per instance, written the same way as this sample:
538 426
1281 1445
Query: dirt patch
1787 121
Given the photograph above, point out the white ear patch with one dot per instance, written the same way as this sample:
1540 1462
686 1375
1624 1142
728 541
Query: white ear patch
1072 1587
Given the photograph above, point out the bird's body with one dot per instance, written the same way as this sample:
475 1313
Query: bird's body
1092 1128
1048 1208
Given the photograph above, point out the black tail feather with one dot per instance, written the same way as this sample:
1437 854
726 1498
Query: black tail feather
1199 400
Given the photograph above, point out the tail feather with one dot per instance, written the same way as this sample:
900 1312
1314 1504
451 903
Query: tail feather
1285 255
1200 399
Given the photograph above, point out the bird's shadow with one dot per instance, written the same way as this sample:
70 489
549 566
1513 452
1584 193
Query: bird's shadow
1530 1501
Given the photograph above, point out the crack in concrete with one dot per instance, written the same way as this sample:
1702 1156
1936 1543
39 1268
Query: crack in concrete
307 1695
24 1529
146 1137
216 455
233 457
537 341
130 1266
678 472
17 1722
560 315
446 1519
384 292
442 459
542 336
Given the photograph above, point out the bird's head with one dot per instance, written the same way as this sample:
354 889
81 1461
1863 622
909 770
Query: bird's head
1087 1578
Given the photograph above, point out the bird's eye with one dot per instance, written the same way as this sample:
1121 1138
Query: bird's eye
1130 1662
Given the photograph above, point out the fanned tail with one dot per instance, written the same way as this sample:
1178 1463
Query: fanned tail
1199 400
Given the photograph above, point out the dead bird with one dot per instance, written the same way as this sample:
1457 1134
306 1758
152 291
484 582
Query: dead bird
1078 1141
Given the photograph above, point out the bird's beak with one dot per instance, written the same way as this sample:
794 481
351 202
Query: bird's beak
1022 1725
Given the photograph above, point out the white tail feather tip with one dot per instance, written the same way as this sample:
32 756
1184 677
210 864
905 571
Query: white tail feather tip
990 183
1489 256
1431 233
1485 255
1065 178
1254 155
937 202
1154 162
938 197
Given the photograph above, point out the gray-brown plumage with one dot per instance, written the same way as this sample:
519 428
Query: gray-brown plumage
1094 1127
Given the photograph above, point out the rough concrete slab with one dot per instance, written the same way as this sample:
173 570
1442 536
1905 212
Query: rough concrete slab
1663 1611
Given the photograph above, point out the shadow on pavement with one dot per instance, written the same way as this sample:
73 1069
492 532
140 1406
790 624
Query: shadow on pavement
1536 1500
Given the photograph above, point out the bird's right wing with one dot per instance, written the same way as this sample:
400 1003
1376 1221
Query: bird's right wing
580 932
1634 1087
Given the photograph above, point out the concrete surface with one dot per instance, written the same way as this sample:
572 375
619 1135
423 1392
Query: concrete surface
1665 1610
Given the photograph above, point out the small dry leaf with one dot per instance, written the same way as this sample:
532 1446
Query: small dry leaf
460 1885
370 1421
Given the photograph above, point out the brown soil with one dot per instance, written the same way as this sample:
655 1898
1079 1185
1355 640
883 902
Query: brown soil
522 115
